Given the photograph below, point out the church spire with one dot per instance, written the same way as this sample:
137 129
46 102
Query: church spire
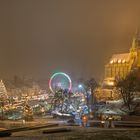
136 39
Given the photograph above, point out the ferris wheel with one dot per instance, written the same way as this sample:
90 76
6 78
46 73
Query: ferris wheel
58 81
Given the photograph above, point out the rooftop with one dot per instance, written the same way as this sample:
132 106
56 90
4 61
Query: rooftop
120 58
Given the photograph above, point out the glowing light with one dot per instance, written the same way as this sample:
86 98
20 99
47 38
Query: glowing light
119 61
111 62
56 74
111 83
124 61
80 86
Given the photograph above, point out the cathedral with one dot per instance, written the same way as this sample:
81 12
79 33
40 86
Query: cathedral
119 66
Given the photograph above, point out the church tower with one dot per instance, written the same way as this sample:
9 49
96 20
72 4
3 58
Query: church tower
135 50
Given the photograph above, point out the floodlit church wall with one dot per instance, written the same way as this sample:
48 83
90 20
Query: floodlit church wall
116 70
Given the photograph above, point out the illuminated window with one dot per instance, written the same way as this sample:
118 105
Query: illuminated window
124 61
119 61
114 60
111 62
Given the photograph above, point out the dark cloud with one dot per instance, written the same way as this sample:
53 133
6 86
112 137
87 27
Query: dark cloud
39 37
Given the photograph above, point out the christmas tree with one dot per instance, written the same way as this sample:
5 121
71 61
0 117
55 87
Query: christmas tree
3 98
3 91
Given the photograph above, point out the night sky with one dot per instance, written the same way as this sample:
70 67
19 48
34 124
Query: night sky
40 37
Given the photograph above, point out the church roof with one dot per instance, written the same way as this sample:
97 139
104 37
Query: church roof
120 58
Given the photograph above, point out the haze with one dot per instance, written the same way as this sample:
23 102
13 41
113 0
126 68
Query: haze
40 37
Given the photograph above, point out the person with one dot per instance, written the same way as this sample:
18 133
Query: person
84 120
102 119
110 120
77 119
102 123
23 121
106 121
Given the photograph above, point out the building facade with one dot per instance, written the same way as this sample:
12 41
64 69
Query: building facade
119 66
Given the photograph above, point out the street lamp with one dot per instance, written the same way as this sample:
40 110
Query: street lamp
80 86
85 94
82 90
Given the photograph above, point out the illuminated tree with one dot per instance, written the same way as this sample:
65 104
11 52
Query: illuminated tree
28 112
3 98
62 101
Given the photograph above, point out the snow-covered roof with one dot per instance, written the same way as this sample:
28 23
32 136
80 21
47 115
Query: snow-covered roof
120 58
111 111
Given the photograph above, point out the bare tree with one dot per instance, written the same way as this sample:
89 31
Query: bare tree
89 87
128 87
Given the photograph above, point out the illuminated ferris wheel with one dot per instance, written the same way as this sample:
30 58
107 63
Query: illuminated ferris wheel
58 81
